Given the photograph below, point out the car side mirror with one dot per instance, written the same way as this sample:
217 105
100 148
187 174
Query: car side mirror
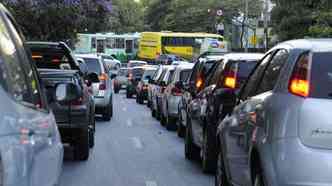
93 78
163 84
113 76
179 85
66 92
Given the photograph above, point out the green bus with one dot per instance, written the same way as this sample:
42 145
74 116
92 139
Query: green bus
123 47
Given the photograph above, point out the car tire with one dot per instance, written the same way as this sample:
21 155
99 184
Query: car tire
91 138
171 123
81 148
107 113
128 94
190 149
116 90
162 120
208 151
148 104
220 177
153 113
141 100
180 128
259 179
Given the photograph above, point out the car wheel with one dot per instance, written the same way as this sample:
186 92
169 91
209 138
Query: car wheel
81 148
128 94
107 113
220 177
208 152
91 138
171 123
141 100
148 104
259 179
116 90
190 149
162 119
137 97
153 113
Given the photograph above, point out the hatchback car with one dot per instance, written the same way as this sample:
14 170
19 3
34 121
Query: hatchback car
172 95
142 86
103 90
279 133
203 64
121 80
209 106
30 141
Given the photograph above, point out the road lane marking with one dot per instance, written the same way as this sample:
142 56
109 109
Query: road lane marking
151 183
137 142
129 123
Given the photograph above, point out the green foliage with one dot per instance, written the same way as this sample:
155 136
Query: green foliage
302 18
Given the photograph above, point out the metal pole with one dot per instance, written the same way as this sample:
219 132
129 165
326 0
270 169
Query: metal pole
246 25
266 27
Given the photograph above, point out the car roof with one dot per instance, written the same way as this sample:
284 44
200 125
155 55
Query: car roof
96 56
243 56
137 61
314 45
42 43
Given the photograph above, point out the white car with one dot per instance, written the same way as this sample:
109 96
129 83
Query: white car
173 94
31 152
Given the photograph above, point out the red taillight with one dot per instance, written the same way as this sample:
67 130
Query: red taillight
79 101
299 82
176 91
230 77
102 84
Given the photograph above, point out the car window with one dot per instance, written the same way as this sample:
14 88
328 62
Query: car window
195 72
170 76
250 86
272 72
161 77
148 73
18 77
216 75
184 75
321 75
137 72
93 65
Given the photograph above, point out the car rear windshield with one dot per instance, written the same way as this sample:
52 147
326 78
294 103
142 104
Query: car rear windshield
245 68
123 72
148 73
93 65
184 75
51 58
321 75
137 72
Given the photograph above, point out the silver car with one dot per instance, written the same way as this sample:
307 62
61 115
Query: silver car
173 94
31 152
103 90
280 132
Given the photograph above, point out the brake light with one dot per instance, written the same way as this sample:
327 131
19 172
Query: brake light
299 82
176 91
79 101
230 77
102 78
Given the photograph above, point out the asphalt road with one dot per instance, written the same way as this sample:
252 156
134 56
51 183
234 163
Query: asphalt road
134 150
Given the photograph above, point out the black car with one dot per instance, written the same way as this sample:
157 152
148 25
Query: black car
212 103
203 64
75 119
134 76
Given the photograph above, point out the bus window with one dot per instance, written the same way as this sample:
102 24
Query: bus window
110 43
129 46
119 43
93 42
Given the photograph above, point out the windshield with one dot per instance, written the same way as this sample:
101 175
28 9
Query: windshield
148 73
93 65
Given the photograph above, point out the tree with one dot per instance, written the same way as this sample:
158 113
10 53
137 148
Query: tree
302 18
59 20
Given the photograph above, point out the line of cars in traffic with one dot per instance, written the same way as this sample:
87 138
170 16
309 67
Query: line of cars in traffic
49 98
250 118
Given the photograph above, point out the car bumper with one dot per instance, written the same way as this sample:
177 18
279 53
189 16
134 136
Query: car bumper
101 101
298 165
173 105
32 164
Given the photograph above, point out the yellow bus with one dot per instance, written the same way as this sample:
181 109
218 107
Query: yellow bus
152 44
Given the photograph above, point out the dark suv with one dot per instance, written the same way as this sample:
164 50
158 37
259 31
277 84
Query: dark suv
210 105
75 119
